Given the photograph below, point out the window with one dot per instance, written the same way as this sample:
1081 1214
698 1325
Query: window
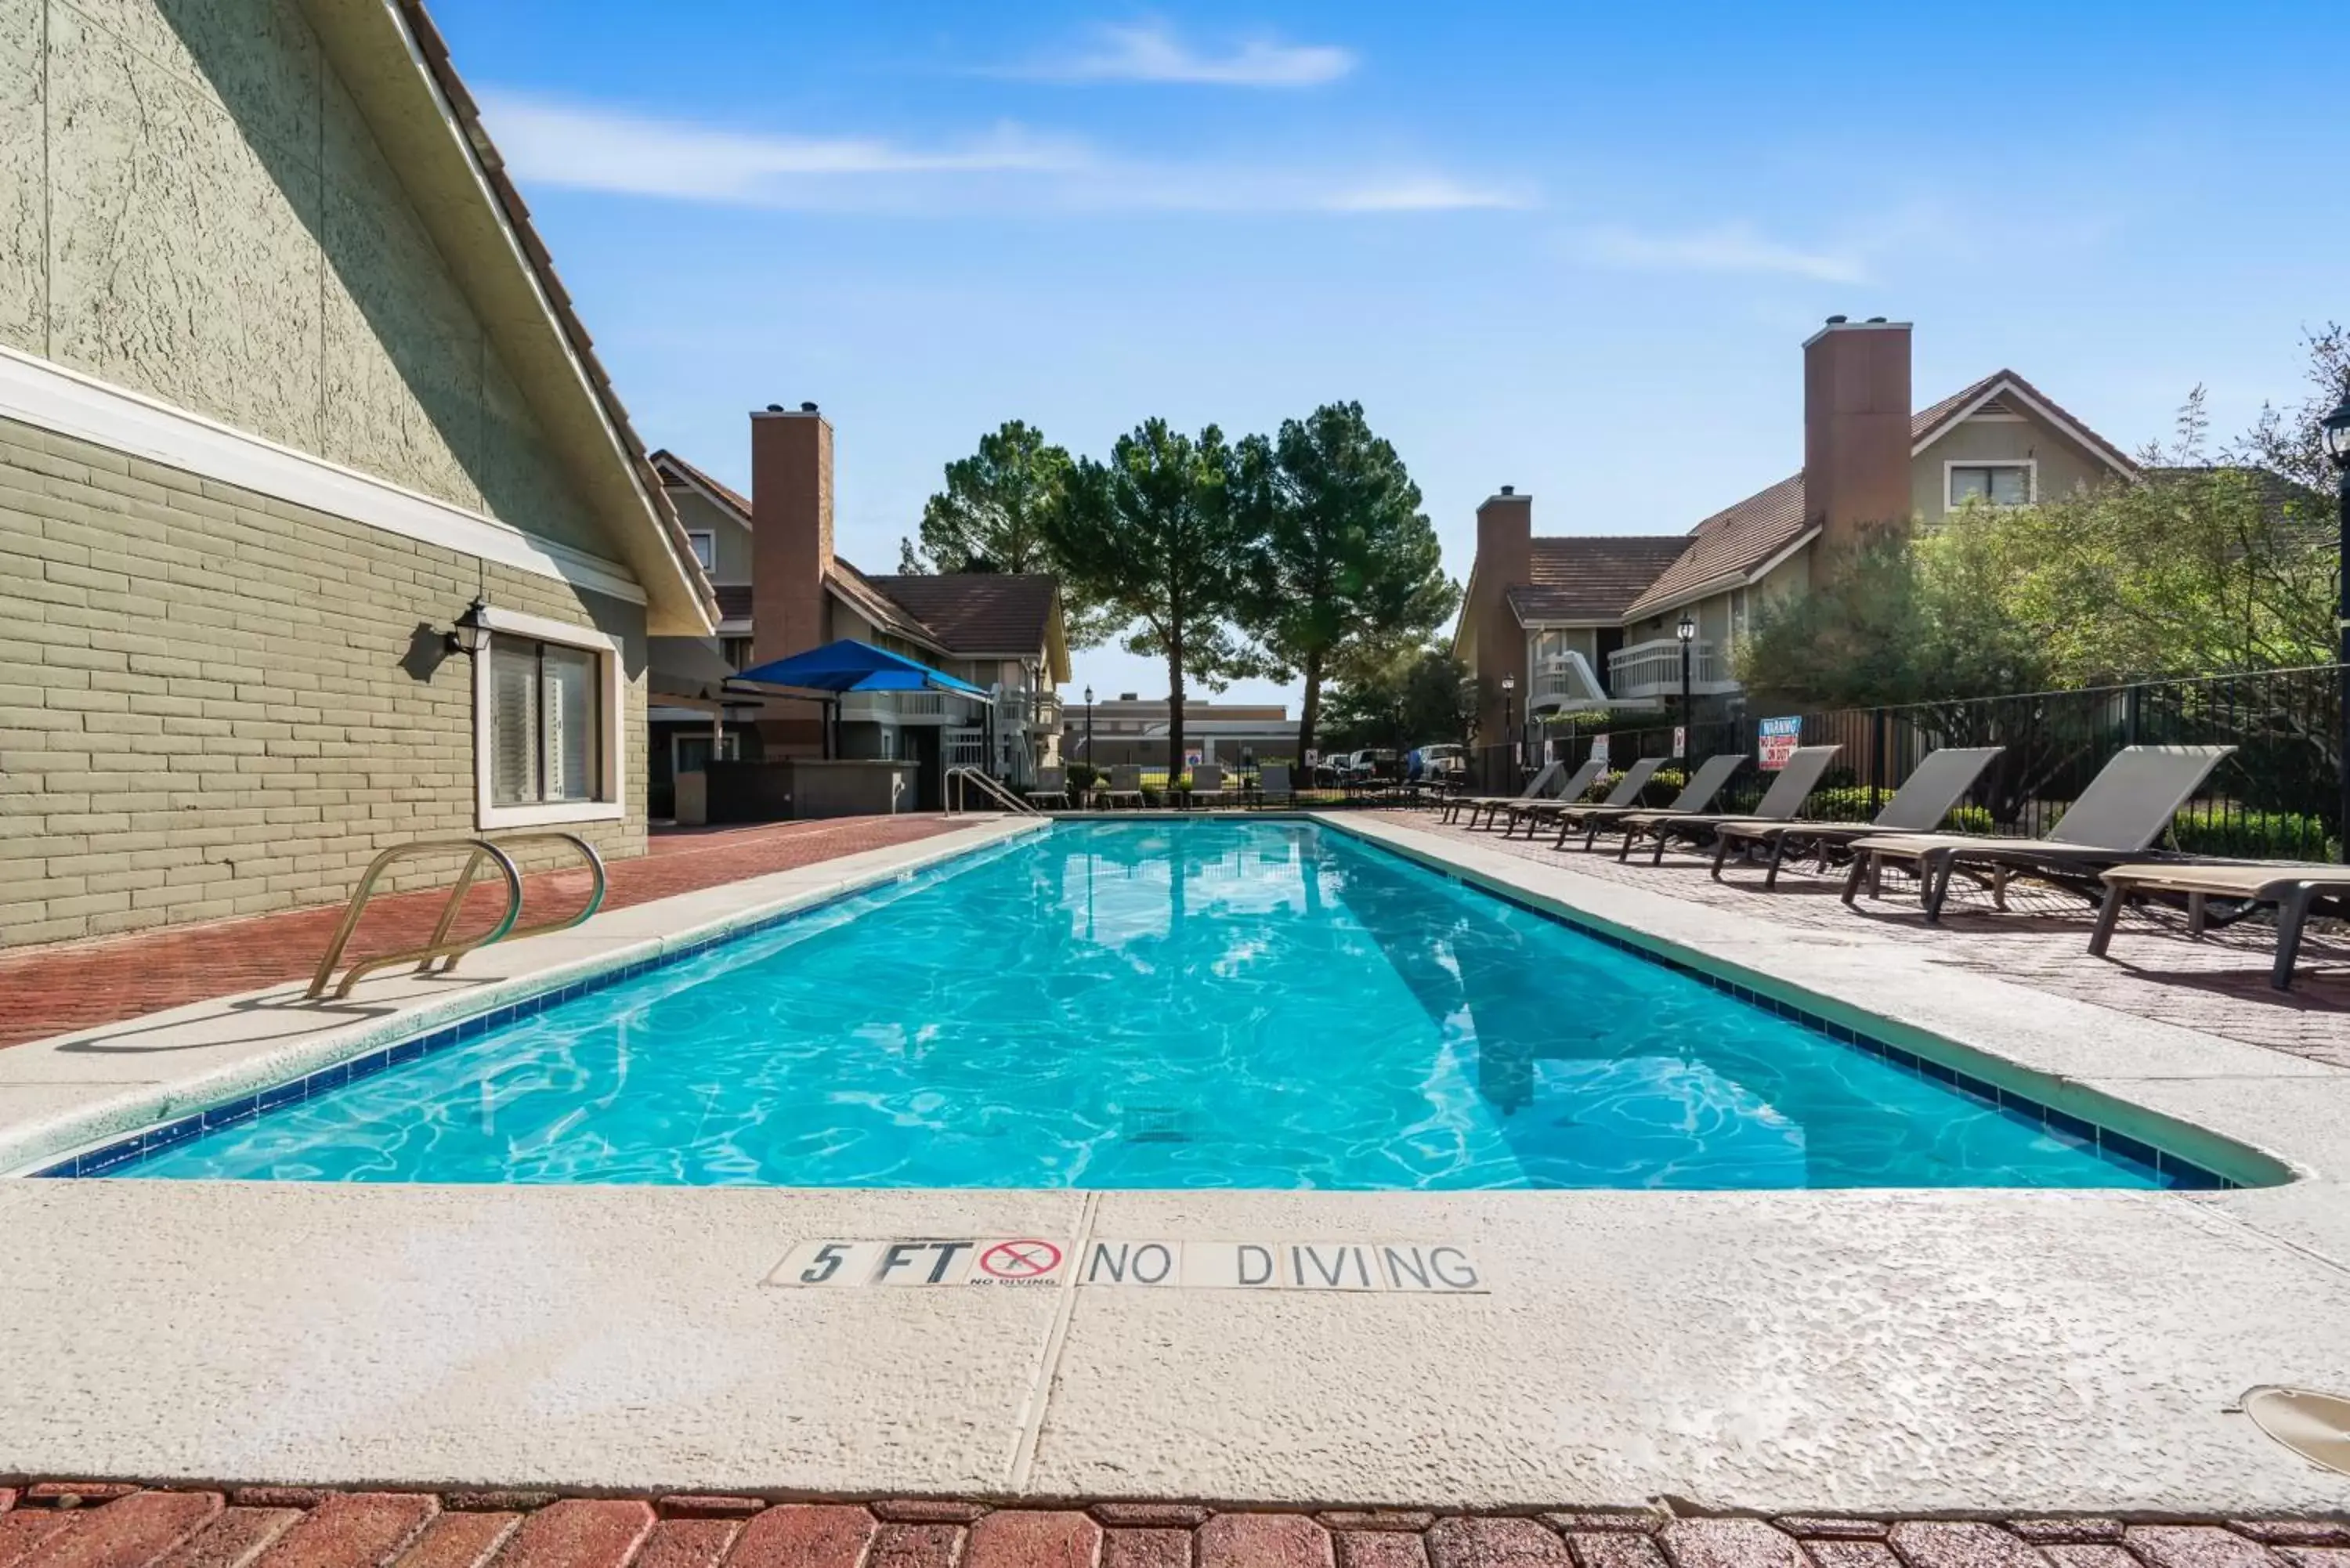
547 723
705 548
1999 484
738 652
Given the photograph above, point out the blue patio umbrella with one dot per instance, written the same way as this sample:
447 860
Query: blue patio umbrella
848 665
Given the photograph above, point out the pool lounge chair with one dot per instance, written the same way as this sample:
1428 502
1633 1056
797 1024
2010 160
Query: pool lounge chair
1578 784
1207 787
1625 796
2292 887
2126 808
1272 784
1928 796
1125 783
1052 785
1536 787
1797 778
1695 796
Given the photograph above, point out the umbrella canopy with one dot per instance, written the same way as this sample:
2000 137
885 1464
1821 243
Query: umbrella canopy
852 665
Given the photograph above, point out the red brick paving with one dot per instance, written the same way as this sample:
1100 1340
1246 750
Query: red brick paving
81 985
2218 985
401 1530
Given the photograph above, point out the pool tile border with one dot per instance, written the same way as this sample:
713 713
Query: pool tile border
2171 1172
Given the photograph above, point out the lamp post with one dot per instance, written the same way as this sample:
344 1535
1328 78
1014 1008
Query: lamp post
1509 724
2336 426
1089 726
1685 629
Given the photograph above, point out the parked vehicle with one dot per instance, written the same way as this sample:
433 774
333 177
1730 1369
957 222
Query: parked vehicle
1440 763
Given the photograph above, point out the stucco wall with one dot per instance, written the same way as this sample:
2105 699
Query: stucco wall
733 540
215 703
2064 467
191 207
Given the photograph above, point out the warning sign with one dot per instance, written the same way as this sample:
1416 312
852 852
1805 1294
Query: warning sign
1778 739
1424 1268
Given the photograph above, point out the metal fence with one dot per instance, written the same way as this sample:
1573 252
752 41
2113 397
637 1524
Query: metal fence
2279 795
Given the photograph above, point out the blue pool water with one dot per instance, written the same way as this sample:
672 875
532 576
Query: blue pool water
1152 1004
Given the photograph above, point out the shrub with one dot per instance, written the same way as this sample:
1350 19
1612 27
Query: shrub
1850 803
2256 836
1085 776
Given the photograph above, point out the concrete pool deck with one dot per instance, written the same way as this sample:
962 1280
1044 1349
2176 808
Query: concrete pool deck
1895 1352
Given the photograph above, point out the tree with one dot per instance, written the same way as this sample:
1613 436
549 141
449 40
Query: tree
1342 553
1399 697
991 517
1152 537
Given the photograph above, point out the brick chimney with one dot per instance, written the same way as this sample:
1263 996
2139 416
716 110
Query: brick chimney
791 555
1505 530
1855 427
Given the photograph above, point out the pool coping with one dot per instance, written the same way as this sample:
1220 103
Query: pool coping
1731 1348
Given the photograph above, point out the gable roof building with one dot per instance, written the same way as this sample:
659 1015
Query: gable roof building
1585 620
279 342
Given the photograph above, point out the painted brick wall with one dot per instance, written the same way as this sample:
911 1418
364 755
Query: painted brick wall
211 702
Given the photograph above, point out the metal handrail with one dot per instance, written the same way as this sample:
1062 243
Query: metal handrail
958 778
441 947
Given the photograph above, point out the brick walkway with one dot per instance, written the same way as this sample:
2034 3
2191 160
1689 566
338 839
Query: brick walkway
80 985
96 1525
2219 985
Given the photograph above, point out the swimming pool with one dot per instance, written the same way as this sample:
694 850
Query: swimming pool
1155 1004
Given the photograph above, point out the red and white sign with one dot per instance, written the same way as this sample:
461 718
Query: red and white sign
1026 1259
1776 741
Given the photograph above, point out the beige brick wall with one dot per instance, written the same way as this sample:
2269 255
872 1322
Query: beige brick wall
209 701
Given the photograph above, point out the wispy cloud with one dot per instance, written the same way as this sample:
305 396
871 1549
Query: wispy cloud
1151 52
1007 168
1736 248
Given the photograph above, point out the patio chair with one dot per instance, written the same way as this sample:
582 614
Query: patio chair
1928 796
2126 808
1052 785
1272 784
1624 796
1126 784
1540 785
1695 796
1207 783
2292 887
1797 778
1578 784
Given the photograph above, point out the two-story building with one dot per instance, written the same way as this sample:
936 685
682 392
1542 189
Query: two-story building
783 589
1584 621
321 528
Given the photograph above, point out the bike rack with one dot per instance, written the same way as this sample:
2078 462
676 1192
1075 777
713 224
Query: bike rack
442 947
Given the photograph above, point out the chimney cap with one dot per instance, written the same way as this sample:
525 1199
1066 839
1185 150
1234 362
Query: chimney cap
1875 321
810 407
1509 490
1838 320
775 407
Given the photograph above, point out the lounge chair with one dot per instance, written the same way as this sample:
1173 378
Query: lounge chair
1272 783
1536 786
1207 785
2292 888
1625 796
1578 784
2126 808
1125 783
1792 785
1695 796
1052 785
1924 799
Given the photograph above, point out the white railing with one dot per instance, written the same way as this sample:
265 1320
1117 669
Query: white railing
964 749
1654 670
1564 682
1017 707
881 706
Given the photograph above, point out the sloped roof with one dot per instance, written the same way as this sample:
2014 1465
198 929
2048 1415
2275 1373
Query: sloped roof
979 612
1591 576
675 469
1931 423
374 66
1733 541
735 601
876 607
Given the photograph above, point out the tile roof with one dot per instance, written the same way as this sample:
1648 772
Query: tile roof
434 51
675 469
1734 540
1929 422
980 612
735 601
1589 576
876 605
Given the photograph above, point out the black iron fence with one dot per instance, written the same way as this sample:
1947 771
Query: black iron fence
2278 796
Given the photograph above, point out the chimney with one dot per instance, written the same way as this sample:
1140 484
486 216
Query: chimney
1856 414
791 529
1505 529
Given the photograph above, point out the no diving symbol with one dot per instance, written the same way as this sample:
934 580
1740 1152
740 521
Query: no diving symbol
1024 1260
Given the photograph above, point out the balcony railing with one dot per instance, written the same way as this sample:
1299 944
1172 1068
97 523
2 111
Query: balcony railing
1647 669
1038 709
1564 683
898 706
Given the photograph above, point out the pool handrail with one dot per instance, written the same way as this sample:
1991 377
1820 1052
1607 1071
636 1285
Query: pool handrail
442 948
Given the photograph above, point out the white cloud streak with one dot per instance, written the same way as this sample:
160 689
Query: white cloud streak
1736 248
1150 52
1007 169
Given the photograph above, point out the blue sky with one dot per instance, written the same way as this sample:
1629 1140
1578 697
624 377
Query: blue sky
1569 247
